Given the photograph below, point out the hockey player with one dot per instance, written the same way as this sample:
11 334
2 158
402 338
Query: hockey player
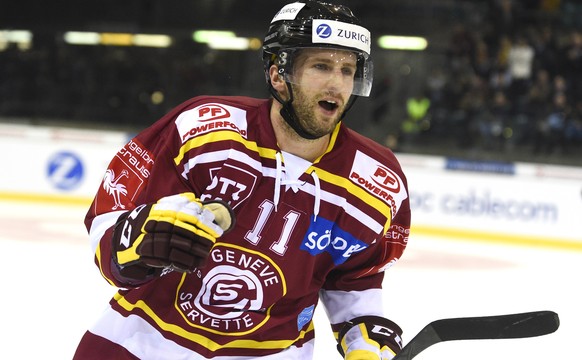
227 221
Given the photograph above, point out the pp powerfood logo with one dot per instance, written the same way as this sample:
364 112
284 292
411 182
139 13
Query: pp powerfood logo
386 179
212 112
378 179
211 117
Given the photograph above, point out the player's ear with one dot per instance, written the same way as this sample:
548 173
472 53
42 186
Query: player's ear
277 80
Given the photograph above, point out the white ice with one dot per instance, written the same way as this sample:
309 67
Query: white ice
53 291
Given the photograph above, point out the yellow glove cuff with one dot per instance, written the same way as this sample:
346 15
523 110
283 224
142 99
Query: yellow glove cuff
362 355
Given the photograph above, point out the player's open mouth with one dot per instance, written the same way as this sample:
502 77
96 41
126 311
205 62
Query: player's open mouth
328 105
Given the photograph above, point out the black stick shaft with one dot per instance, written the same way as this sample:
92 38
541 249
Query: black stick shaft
511 326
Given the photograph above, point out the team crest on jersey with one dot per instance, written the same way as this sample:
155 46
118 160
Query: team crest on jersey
211 117
229 297
378 180
325 236
125 177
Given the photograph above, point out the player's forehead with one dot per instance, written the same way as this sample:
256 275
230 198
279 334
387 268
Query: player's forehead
328 55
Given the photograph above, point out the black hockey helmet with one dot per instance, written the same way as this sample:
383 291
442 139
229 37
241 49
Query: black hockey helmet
315 24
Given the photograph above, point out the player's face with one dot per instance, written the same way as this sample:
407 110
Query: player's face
323 80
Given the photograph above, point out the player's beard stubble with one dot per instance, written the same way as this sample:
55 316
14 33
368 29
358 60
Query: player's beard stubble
306 109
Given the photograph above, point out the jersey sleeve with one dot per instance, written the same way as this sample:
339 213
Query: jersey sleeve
358 282
141 172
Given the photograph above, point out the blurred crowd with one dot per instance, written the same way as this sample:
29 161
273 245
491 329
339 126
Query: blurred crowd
108 86
506 82
509 83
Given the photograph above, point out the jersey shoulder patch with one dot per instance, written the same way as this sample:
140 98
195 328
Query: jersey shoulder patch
209 116
379 180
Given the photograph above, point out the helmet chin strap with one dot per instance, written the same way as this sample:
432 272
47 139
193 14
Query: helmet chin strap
288 113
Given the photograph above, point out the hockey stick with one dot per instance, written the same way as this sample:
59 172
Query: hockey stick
487 327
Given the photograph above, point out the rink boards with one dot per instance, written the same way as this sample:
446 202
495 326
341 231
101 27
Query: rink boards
519 203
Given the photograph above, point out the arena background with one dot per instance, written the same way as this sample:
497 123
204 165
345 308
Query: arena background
483 103
491 143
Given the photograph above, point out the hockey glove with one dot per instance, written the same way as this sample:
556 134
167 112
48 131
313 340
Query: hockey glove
369 338
176 232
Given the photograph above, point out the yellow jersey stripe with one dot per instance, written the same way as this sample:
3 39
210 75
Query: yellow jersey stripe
200 339
357 191
98 256
223 136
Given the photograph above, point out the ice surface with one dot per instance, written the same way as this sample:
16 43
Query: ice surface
53 291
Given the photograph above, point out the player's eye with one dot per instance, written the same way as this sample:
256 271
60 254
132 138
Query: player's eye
349 71
321 66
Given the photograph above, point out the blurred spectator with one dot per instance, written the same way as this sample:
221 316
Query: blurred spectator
559 85
572 64
571 13
540 93
538 103
550 133
483 63
500 79
492 123
520 65
504 15
546 49
437 93
502 54
473 107
436 82
417 120
573 129
461 47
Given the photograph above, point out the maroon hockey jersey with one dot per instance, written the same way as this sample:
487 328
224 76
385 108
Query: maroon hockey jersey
304 231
